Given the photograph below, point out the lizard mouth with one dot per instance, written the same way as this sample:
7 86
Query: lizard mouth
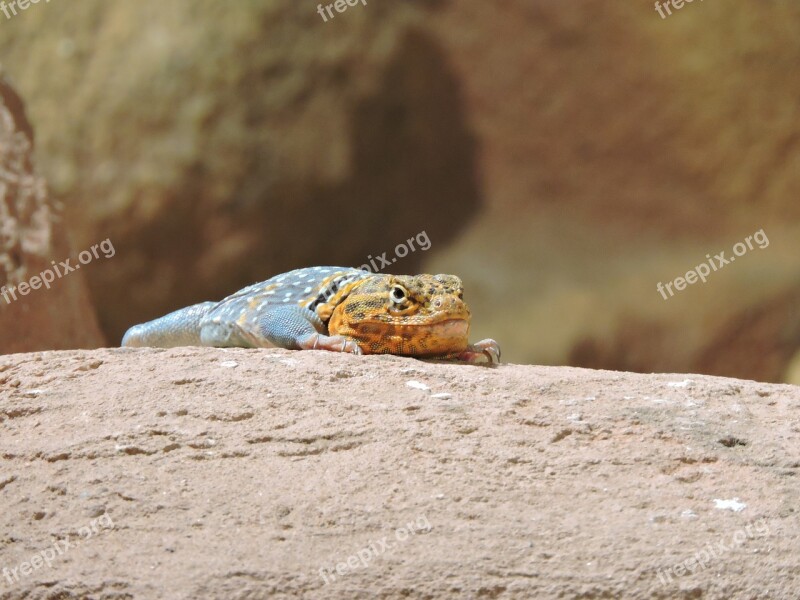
452 327
441 338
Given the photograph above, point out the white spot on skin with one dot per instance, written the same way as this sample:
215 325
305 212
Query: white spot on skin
286 299
307 290
442 396
270 293
229 364
417 385
734 504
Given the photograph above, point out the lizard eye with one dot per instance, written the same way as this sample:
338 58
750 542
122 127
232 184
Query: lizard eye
398 294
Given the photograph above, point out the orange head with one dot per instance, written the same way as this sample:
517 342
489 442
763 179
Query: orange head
419 315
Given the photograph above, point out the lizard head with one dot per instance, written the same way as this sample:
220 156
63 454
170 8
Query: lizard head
419 315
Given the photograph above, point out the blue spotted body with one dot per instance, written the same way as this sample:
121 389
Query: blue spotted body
237 321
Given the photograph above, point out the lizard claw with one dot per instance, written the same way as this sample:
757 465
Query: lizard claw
486 351
348 345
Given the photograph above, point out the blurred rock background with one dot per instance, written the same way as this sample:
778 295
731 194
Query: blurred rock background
32 238
562 158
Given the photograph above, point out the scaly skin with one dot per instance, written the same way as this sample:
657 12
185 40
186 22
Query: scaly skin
331 308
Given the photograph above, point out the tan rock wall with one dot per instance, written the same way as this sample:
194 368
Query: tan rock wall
564 159
32 236
620 148
220 143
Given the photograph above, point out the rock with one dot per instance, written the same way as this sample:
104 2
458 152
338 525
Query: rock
611 150
618 149
32 239
759 343
523 482
793 372
223 148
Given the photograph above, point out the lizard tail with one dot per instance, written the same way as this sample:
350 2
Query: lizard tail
179 328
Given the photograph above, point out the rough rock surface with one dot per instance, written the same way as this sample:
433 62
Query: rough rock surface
32 235
211 473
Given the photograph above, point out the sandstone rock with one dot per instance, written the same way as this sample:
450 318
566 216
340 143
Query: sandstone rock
618 149
218 145
210 473
32 236
760 343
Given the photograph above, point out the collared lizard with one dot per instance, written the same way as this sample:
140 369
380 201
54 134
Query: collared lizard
330 308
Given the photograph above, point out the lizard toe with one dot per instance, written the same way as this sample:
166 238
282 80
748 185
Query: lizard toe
484 352
332 343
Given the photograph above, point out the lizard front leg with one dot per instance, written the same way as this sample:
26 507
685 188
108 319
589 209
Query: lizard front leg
296 328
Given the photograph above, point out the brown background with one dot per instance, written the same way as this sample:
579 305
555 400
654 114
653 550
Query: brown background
564 158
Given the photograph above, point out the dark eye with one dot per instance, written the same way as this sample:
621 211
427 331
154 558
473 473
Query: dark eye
398 294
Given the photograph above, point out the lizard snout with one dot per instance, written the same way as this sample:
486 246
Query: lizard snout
451 305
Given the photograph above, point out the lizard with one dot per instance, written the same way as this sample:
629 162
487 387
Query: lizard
330 308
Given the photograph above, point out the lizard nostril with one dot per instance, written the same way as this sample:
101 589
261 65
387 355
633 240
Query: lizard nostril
437 303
